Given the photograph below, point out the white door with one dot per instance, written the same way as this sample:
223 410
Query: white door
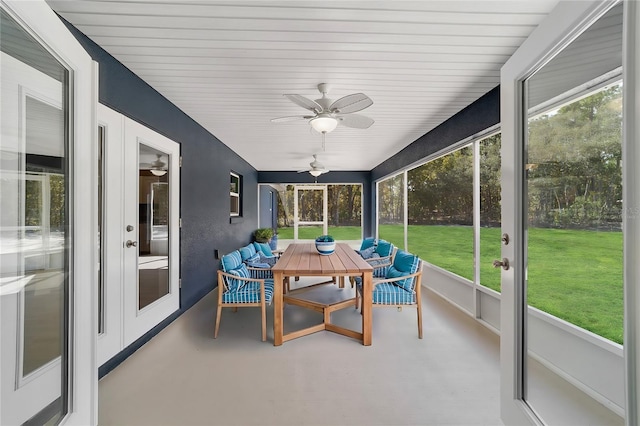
548 181
150 236
47 245
310 209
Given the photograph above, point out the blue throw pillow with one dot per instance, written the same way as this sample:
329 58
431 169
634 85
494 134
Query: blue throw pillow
264 248
368 252
240 271
368 242
384 248
231 261
247 251
269 260
394 273
253 259
406 262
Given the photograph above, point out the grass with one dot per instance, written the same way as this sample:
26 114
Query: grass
575 275
311 232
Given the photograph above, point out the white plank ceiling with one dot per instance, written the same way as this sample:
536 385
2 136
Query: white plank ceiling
228 63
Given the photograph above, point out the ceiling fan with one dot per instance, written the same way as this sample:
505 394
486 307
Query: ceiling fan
317 168
327 114
157 168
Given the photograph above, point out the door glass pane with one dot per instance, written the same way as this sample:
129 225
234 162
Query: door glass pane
345 212
391 210
153 226
574 248
34 225
310 213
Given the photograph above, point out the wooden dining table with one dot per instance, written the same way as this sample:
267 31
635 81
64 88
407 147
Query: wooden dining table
302 260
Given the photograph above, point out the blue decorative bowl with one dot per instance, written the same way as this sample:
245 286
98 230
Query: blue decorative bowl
325 248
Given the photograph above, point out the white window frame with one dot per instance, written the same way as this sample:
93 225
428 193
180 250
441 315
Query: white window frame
237 194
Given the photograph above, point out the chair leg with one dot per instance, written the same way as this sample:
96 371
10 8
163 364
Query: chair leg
419 318
218 316
264 321
356 298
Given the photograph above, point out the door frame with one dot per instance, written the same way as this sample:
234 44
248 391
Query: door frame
325 208
563 25
137 322
37 18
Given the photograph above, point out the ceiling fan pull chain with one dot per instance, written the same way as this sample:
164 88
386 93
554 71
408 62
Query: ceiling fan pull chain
323 135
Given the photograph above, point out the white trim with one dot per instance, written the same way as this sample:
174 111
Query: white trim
631 196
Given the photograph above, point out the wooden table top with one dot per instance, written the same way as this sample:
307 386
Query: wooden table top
303 259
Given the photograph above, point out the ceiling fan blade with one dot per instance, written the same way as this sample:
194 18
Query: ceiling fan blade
305 102
351 103
290 118
356 121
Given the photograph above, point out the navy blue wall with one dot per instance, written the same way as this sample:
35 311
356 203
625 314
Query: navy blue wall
345 177
475 118
204 198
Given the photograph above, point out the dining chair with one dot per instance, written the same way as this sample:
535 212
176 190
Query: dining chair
400 286
240 287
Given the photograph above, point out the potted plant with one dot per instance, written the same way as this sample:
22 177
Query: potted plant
263 235
325 244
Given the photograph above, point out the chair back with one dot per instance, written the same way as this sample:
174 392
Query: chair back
247 252
384 248
367 242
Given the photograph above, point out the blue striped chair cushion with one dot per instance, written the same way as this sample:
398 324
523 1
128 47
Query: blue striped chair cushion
389 294
250 293
231 261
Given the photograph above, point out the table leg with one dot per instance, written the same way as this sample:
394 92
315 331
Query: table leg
367 307
277 308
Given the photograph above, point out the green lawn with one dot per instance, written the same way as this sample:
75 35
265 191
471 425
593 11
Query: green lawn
311 232
572 274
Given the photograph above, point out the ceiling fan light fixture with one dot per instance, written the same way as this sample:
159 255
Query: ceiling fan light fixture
315 173
158 173
324 124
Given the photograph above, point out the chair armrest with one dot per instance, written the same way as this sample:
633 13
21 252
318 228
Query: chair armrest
402 278
222 275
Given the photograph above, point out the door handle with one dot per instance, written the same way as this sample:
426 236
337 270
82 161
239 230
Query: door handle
130 244
504 263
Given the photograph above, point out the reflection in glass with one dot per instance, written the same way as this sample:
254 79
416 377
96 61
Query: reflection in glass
34 223
573 185
153 226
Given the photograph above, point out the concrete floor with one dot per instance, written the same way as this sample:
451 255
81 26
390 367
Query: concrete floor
185 377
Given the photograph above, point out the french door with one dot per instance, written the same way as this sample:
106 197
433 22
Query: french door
310 208
139 227
48 248
542 168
